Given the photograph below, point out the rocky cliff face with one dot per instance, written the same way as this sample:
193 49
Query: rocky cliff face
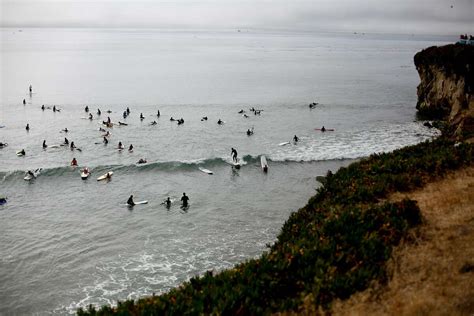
446 88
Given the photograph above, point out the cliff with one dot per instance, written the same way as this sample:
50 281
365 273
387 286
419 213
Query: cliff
446 88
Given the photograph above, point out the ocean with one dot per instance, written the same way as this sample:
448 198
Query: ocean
66 243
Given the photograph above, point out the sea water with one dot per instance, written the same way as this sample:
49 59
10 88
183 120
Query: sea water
67 243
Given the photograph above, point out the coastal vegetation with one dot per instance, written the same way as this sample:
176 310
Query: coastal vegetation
334 246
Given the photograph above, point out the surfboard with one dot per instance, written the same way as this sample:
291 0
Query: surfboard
206 170
55 146
104 176
263 163
136 203
326 130
284 143
236 164
19 153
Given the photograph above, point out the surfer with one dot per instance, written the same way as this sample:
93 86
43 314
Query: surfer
44 144
141 161
184 199
296 139
130 201
249 132
130 148
85 170
172 119
99 112
167 202
128 111
108 176
86 109
153 123
141 116
241 111
66 141
233 153
24 101
108 120
22 152
246 116
74 162
72 145
3 145
65 130
3 200
120 146
323 129
90 116
31 89
124 114
27 127
31 174
105 140
158 113
42 107
220 122
204 118
180 121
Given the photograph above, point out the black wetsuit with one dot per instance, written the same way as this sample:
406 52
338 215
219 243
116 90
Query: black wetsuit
130 201
185 199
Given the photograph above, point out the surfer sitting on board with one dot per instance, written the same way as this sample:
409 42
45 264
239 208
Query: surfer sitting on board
22 152
130 148
141 160
72 145
130 200
120 146
296 139
44 144
323 129
234 154
220 122
66 141
168 202
105 140
185 200
74 162
27 127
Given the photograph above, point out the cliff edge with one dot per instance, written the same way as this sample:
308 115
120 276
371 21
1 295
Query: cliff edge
446 88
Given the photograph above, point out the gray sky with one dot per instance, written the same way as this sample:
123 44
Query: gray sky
382 16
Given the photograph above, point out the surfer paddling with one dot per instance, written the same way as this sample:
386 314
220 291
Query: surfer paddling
185 200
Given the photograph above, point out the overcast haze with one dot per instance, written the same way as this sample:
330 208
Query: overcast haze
381 16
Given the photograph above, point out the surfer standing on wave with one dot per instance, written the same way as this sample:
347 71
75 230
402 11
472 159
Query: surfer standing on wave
234 154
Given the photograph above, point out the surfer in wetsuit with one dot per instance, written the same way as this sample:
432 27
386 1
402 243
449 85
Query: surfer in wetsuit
141 116
220 122
153 123
323 129
105 140
22 152
90 116
24 101
158 114
42 107
44 144
99 112
141 161
72 145
204 118
128 111
296 139
233 152
120 146
130 200
249 132
167 202
27 127
66 141
130 148
185 200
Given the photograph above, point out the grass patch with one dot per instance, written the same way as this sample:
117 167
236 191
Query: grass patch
334 246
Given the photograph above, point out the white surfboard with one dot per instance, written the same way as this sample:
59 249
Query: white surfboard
284 144
55 146
263 163
104 176
236 164
206 170
19 153
136 203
